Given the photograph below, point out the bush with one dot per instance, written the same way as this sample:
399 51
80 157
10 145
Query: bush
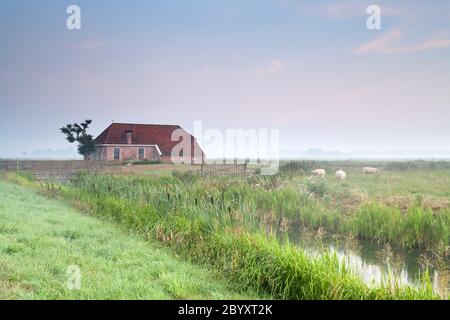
141 162
317 185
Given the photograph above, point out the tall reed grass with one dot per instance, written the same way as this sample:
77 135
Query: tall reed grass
417 227
218 223
227 198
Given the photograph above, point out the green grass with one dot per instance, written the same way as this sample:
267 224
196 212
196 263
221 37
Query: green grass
142 162
40 238
417 227
402 183
407 209
216 224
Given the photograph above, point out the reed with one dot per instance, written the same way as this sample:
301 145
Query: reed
418 227
218 223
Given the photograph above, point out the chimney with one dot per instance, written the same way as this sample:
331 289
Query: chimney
129 136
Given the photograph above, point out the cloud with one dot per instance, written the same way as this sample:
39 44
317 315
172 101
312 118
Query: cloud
272 68
411 21
386 44
381 44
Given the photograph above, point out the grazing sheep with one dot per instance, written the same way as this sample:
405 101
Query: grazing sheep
340 175
318 172
370 170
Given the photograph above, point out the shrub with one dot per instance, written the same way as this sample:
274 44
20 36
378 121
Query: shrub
141 162
317 185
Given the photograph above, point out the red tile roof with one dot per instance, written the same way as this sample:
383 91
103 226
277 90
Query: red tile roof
143 134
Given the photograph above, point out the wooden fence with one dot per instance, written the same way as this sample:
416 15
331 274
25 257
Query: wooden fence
57 169
213 169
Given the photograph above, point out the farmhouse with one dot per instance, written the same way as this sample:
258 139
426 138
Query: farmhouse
153 142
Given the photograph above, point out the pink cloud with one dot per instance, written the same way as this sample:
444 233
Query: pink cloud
272 68
386 44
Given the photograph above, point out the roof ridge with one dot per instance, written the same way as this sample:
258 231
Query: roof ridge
146 124
108 132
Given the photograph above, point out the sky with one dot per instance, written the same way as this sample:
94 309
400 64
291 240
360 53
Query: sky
311 69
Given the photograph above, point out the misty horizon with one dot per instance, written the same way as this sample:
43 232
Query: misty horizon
285 154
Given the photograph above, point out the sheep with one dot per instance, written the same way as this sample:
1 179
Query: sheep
318 172
370 170
340 175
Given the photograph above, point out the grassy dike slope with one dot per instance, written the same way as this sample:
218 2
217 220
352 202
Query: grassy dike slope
40 238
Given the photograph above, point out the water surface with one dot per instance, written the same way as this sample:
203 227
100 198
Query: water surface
373 262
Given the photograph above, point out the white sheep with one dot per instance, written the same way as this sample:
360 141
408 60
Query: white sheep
340 175
318 172
370 170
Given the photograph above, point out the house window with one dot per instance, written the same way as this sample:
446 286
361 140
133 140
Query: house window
98 154
116 153
141 153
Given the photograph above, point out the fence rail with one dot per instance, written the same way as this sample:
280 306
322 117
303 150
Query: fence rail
57 169
10 165
223 169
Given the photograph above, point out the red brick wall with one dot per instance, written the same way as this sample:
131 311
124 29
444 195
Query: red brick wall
126 153
106 153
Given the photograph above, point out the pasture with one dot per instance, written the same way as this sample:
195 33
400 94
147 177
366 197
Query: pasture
288 236
402 210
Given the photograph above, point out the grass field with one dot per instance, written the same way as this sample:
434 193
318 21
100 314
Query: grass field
402 183
394 188
213 222
40 238
233 225
406 205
